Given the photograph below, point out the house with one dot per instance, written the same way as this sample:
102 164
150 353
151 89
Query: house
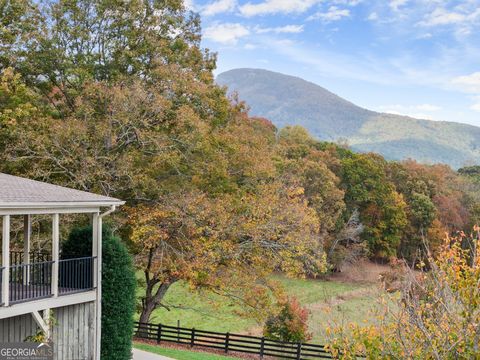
37 285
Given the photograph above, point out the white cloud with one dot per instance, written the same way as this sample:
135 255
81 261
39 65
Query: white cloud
395 5
414 115
468 83
290 29
476 106
428 107
230 33
332 14
348 2
218 7
189 5
441 16
227 34
422 111
425 36
277 6
373 16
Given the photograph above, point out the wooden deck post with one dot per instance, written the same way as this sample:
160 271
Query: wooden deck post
97 274
55 252
27 234
5 259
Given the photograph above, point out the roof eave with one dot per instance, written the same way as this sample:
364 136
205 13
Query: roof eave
60 204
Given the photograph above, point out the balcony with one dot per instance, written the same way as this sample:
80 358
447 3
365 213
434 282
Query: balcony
34 280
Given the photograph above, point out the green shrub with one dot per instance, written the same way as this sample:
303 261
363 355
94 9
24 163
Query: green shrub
118 289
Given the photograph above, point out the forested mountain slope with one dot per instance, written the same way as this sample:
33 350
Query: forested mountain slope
288 100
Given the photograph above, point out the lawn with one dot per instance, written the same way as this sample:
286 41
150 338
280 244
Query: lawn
202 311
180 354
328 301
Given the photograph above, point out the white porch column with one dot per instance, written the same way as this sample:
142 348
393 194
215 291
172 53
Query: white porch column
27 234
5 259
55 252
97 278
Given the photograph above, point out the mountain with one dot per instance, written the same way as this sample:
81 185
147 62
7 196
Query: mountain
288 100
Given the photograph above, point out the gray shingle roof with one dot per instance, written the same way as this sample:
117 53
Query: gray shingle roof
17 190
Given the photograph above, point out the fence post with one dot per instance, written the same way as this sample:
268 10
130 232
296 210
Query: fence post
299 350
227 341
178 331
262 347
192 339
159 333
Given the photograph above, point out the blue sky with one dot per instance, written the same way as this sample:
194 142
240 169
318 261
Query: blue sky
412 57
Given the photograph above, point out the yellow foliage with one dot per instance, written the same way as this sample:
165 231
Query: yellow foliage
438 316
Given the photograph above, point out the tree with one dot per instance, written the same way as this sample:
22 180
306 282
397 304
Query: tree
301 163
447 191
382 208
60 46
17 105
109 106
290 324
118 289
225 245
129 95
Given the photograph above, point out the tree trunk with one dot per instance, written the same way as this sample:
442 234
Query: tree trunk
147 310
152 302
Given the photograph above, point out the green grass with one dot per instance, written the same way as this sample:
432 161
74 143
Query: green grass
309 291
202 311
179 354
329 302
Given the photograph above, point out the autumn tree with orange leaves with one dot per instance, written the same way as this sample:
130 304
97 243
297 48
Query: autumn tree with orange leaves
226 244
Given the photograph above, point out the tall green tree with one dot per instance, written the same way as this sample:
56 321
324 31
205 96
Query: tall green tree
302 163
382 208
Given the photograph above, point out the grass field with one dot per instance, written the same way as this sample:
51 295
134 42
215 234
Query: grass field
328 301
180 354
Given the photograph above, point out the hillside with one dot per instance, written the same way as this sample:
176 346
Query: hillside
288 100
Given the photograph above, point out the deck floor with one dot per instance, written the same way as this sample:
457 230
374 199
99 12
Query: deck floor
23 293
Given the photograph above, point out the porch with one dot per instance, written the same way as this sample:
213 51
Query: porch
37 283
31 279
30 275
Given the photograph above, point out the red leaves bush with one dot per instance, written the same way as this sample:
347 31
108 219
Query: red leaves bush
290 324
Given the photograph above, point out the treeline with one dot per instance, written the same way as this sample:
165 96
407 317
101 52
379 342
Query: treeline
119 98
381 208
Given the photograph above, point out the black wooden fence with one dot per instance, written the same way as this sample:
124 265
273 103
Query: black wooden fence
231 342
